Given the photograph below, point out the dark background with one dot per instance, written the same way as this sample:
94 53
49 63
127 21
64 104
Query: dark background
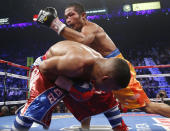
134 32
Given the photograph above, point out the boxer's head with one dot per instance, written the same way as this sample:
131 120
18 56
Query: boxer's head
75 16
111 74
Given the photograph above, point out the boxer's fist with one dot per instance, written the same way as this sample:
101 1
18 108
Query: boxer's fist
46 16
64 83
81 91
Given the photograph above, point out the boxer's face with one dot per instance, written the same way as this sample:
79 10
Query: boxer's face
73 19
106 84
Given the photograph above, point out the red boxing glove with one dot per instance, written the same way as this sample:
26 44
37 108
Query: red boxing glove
82 91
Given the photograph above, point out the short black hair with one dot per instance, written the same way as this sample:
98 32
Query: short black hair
79 8
121 73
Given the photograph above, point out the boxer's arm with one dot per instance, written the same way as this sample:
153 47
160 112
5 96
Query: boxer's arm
59 68
49 17
86 36
68 66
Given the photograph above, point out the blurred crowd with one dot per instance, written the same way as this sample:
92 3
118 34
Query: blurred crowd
11 109
14 89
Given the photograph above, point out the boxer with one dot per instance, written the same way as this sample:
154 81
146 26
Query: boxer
77 62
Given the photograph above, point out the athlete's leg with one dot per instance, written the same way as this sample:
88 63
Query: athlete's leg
85 124
157 108
114 117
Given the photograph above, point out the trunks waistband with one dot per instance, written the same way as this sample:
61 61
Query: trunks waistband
113 53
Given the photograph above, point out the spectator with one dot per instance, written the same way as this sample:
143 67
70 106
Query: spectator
162 94
13 110
4 111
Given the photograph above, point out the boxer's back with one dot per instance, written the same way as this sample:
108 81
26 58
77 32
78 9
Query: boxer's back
71 48
70 58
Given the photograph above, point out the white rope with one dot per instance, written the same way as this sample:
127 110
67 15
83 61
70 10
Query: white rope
13 102
1 103
145 87
14 75
159 99
153 75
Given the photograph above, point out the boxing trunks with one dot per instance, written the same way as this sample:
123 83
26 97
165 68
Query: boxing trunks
44 97
98 103
133 96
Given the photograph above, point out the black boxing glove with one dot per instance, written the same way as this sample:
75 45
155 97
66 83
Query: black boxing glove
49 18
46 16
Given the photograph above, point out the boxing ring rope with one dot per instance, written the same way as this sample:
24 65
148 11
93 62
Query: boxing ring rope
153 75
15 65
153 66
14 75
5 74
